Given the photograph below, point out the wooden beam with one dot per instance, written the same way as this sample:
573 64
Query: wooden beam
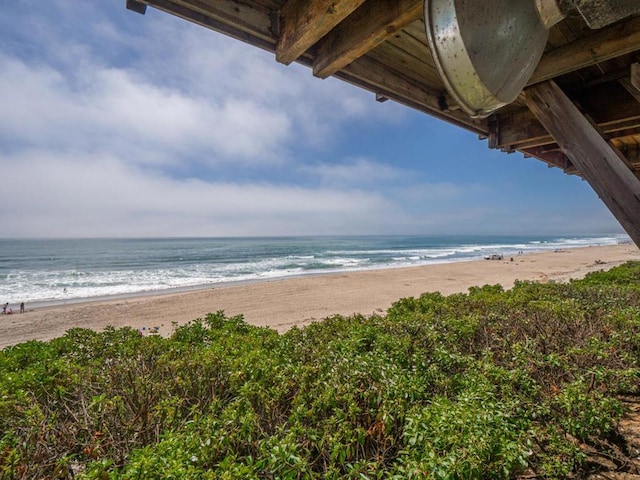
612 143
304 22
240 21
635 75
552 158
363 30
380 79
521 129
628 86
632 84
599 163
608 43
136 6
632 153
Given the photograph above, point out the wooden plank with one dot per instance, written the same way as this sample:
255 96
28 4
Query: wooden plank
239 15
626 137
304 22
605 102
555 159
605 44
136 6
531 133
400 60
417 30
412 52
521 129
635 75
363 30
378 78
363 73
231 18
407 44
612 142
632 153
629 87
559 35
599 163
415 46
632 84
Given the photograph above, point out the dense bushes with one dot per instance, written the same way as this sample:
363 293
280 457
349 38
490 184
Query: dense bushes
490 384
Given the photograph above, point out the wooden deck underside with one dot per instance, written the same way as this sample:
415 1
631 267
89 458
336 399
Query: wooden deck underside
381 46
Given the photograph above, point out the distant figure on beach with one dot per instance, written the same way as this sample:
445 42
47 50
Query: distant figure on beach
4 307
21 307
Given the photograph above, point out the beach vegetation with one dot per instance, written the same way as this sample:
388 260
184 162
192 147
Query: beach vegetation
529 382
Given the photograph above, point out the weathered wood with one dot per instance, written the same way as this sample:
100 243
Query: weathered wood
613 143
394 62
243 22
608 43
382 80
136 6
598 162
402 61
413 40
632 153
632 84
304 22
629 87
635 75
363 30
521 129
555 159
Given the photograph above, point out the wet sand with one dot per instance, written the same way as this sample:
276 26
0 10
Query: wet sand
281 304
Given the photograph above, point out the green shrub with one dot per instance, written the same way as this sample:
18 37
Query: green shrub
488 384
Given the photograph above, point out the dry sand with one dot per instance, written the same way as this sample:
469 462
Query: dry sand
280 304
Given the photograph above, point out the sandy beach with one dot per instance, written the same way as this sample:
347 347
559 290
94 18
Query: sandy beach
281 304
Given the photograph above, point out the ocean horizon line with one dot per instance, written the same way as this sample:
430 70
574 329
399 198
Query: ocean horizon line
312 236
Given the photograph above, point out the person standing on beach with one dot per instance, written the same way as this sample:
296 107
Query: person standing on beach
4 307
21 307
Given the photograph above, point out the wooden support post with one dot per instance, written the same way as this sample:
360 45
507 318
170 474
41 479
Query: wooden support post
597 160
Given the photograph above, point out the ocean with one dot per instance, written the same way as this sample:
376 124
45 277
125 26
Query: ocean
49 272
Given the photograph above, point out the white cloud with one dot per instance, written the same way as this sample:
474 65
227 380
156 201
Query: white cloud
98 112
94 124
169 90
73 194
110 107
214 66
356 171
438 193
103 196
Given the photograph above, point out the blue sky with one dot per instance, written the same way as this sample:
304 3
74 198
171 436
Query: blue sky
117 124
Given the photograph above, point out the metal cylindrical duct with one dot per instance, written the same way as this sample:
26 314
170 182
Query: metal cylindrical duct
487 50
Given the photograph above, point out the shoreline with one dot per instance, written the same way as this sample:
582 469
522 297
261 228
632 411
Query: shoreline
57 302
53 303
281 303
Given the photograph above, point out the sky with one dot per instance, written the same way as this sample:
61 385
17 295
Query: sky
114 124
